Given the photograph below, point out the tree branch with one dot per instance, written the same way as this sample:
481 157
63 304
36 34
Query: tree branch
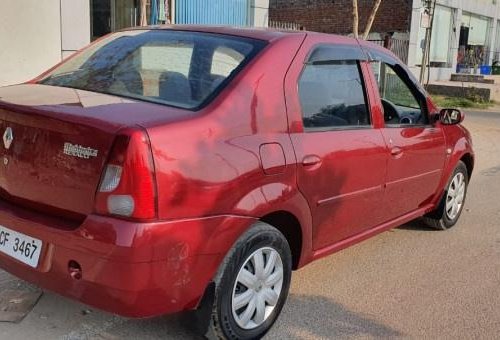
371 18
355 19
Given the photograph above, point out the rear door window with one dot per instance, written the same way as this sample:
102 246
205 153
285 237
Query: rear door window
332 95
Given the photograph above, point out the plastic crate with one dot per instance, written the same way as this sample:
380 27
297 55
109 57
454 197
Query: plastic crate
486 70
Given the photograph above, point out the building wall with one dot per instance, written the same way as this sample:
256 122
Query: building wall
35 35
336 16
260 12
75 25
29 42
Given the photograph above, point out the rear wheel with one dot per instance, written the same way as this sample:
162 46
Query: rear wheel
452 203
251 286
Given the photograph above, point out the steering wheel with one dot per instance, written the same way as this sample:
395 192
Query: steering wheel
390 111
406 120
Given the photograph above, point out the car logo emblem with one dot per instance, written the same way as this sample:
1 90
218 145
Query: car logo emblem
8 137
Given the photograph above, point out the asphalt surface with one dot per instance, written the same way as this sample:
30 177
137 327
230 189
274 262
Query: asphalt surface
411 282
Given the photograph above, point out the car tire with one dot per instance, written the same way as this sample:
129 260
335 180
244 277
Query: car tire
232 314
452 203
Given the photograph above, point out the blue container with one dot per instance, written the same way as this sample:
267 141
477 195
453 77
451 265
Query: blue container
485 70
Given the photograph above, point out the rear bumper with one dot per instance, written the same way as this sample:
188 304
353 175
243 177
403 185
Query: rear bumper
130 269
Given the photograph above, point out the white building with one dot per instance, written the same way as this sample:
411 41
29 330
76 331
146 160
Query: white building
466 35
37 34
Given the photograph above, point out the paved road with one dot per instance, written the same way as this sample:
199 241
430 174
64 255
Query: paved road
411 282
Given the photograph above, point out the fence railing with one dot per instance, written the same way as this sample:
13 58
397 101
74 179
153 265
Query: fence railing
399 47
282 25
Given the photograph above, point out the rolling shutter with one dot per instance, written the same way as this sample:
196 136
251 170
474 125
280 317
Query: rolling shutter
214 12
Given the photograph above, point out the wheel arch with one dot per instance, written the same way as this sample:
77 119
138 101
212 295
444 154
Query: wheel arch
288 224
285 208
468 160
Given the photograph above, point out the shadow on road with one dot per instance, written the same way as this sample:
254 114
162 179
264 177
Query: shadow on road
416 225
304 316
319 317
177 326
308 316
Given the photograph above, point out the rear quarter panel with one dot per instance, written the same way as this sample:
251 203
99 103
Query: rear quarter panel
210 165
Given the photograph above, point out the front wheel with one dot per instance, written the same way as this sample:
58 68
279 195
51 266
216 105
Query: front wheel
252 285
452 203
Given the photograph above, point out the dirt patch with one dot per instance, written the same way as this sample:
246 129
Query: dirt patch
491 171
15 304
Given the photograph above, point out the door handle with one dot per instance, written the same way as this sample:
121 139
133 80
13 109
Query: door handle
395 151
311 160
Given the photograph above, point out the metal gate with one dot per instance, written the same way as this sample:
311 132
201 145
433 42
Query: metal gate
213 12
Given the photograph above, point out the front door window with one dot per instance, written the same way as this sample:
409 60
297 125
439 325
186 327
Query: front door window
401 104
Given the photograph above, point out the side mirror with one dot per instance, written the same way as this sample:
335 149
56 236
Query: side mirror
451 116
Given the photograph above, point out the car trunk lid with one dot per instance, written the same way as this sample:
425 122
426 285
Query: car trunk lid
55 143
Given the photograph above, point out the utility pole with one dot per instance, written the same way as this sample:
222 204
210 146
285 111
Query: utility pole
173 19
429 7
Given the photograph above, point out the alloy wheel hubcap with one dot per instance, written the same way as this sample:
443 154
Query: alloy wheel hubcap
257 288
455 196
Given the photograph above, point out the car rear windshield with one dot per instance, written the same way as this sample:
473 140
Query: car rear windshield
182 69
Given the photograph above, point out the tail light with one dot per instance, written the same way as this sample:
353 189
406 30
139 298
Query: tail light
127 187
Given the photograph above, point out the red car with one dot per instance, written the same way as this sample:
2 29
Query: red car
174 168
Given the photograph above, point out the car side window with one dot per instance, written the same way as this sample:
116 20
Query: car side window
401 106
332 95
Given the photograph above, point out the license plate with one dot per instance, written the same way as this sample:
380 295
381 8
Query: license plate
19 246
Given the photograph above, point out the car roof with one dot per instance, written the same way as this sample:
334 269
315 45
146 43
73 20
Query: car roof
268 34
263 33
